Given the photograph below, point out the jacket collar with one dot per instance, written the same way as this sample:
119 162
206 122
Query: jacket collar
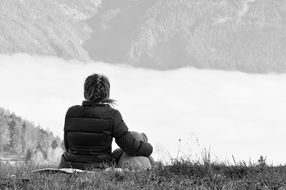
92 104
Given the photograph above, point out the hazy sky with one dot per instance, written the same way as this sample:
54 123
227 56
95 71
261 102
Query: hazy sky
231 113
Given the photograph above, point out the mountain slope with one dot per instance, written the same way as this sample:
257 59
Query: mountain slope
114 28
244 35
45 27
19 137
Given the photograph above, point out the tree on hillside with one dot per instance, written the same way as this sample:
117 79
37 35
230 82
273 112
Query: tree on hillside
30 136
23 142
12 129
54 144
4 134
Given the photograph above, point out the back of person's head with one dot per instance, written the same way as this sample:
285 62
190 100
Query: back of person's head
97 89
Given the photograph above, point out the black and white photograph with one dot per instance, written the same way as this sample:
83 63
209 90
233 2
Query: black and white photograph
143 94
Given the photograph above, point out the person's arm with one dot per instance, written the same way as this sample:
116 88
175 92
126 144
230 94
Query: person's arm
65 135
65 141
126 141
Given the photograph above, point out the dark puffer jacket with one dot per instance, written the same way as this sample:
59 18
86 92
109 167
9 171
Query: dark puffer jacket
88 133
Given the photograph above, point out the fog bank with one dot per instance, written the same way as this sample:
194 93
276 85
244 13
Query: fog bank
231 113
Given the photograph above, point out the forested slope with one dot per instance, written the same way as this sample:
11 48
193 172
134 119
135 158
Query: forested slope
244 35
45 27
21 137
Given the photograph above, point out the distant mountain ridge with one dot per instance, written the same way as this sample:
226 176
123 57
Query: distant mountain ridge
244 35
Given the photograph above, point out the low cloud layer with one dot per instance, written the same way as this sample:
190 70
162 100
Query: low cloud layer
231 113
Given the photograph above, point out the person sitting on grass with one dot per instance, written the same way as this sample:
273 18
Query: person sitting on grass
89 130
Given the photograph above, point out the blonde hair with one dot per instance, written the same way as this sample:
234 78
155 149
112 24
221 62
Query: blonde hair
97 89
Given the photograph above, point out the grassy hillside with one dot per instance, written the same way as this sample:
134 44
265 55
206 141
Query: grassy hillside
178 175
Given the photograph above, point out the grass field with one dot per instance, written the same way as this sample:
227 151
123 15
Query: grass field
180 174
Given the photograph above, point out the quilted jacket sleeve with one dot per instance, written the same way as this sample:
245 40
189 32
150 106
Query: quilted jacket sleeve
65 135
126 141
